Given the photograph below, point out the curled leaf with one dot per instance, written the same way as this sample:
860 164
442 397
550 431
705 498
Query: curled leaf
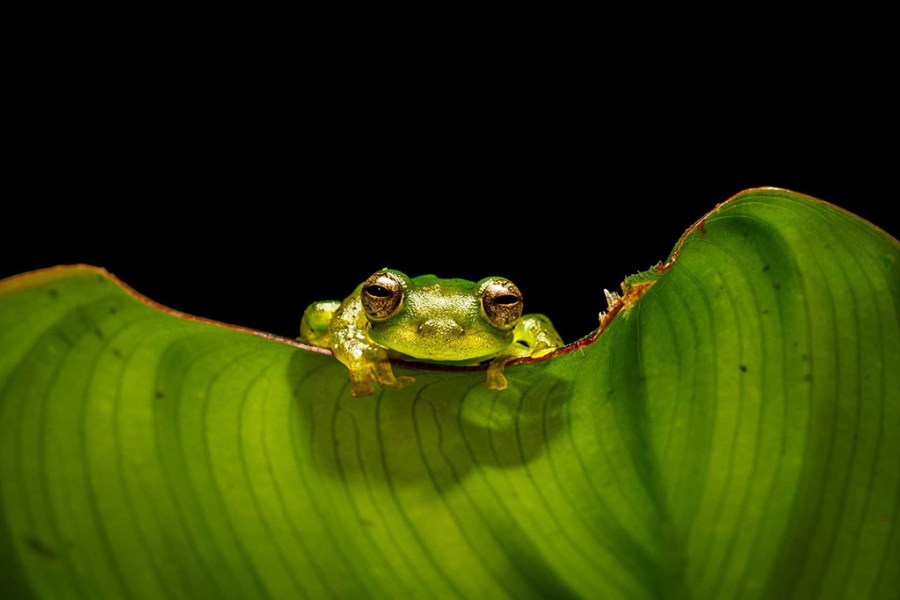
733 431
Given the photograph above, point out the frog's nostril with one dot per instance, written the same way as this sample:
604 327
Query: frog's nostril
441 327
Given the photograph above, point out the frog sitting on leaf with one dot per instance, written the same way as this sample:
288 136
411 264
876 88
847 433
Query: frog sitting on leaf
448 321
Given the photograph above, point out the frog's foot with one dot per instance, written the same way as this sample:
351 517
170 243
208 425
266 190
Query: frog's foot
361 385
535 337
379 372
542 348
384 376
496 380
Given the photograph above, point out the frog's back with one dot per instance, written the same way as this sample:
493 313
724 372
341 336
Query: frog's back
431 280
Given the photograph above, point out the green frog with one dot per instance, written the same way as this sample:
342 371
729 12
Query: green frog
425 318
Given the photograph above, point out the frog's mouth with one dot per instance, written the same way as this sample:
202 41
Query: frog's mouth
443 340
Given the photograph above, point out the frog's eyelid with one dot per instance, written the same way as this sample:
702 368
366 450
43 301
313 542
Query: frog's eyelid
382 296
501 303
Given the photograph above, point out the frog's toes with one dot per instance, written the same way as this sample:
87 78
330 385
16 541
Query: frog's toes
397 382
361 386
384 375
497 383
496 380
361 379
541 349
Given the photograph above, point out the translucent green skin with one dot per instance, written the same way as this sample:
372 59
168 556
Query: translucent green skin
441 320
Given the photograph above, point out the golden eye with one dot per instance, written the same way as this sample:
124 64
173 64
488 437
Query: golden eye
501 303
382 296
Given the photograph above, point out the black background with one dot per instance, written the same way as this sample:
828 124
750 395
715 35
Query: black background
245 202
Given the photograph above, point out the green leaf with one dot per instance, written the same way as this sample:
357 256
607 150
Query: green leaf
733 432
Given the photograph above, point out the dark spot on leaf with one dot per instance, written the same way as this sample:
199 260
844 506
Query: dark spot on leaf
99 333
53 292
765 311
113 310
40 548
117 353
766 268
64 338
804 357
743 368
159 395
523 342
777 286
807 378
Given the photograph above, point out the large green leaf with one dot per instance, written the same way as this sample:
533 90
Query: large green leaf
733 432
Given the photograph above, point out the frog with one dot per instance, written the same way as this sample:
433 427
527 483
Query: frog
391 316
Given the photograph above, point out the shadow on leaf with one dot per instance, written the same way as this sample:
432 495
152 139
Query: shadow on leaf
435 431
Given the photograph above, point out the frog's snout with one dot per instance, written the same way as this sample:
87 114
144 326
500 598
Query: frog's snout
447 328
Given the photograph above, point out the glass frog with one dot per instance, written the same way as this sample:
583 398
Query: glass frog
425 318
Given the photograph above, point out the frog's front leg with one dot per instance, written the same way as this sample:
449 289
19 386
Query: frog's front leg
367 361
533 336
372 366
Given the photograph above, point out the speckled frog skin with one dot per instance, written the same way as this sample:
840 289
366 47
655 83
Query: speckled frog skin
426 318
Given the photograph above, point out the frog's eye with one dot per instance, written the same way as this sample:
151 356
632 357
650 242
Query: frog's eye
501 303
382 296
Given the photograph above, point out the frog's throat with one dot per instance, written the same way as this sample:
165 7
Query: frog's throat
465 362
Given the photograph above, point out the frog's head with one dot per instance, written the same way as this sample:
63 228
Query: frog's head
441 319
